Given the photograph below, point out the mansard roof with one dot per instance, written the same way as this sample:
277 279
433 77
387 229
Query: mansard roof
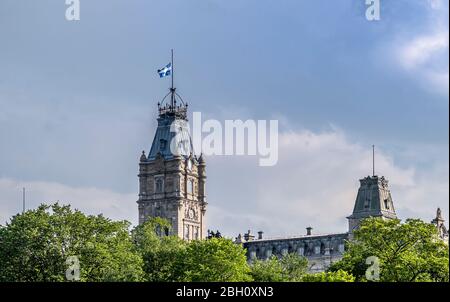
172 129
373 199
300 237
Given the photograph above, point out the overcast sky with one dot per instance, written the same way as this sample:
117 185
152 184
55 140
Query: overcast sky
78 103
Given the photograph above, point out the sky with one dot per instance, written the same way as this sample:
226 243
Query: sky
78 104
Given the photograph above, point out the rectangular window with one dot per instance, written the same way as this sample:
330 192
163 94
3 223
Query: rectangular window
386 204
196 233
186 232
190 186
317 250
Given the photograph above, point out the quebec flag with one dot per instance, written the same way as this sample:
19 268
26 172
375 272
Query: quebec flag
165 71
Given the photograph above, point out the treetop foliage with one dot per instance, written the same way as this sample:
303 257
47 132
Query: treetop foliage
38 244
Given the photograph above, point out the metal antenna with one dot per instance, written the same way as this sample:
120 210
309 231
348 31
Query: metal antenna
172 89
23 200
172 66
373 160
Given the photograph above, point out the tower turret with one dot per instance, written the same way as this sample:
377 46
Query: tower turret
373 200
440 226
171 179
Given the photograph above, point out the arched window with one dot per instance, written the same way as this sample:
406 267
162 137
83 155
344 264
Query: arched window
190 186
159 185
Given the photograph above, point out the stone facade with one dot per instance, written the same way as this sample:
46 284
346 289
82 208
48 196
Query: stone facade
172 179
320 250
172 186
373 200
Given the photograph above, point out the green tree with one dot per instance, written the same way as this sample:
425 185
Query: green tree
407 252
336 276
216 259
35 245
269 270
290 267
294 266
159 253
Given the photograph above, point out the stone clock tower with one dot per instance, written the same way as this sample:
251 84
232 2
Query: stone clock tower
171 177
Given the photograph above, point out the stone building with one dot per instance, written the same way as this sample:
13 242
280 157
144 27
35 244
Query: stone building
320 249
373 200
440 226
172 186
171 178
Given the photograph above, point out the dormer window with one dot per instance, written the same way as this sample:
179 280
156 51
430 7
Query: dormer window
162 144
386 204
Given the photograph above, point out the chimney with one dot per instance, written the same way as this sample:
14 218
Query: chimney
308 231
248 236
260 234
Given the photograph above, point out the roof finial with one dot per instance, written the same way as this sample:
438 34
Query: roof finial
143 157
